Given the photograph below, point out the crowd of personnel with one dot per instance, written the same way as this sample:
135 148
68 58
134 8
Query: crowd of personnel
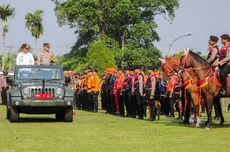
126 92
129 91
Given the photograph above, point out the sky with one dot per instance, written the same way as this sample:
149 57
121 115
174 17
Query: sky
201 18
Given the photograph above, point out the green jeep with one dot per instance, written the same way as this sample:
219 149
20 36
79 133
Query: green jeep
39 89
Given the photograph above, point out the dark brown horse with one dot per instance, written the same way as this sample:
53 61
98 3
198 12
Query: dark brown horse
172 64
203 72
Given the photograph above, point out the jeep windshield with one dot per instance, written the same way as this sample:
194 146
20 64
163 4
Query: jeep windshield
39 73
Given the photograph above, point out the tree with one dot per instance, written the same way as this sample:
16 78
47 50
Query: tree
137 56
5 12
126 21
34 25
99 57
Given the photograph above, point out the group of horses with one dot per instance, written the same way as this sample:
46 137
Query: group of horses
199 84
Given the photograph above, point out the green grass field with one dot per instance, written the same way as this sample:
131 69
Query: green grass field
100 132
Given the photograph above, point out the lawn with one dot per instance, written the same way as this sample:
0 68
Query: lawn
101 132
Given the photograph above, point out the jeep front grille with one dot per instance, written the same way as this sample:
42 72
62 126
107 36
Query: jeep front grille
35 91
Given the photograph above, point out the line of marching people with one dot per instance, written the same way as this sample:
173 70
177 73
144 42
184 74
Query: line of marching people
127 92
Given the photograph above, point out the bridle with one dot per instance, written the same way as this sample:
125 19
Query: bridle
184 63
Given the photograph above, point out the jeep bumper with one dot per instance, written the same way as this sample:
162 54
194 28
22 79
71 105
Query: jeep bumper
42 103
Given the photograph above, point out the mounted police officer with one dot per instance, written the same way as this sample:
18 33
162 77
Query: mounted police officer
224 61
213 50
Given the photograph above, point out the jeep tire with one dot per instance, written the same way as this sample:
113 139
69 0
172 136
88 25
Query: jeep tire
14 114
7 112
68 115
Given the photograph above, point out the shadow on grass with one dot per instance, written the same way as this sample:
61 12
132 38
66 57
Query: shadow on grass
38 120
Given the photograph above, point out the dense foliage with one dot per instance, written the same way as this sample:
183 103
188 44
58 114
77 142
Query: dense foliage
127 27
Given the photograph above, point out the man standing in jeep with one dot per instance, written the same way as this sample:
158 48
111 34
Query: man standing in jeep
25 57
46 57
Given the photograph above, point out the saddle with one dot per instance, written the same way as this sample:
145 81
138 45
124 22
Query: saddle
217 79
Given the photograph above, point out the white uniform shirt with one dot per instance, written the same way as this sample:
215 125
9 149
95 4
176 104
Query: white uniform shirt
25 59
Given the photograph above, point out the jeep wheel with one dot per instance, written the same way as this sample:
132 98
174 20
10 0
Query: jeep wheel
68 115
14 114
7 112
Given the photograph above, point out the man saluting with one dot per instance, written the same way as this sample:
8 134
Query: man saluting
46 57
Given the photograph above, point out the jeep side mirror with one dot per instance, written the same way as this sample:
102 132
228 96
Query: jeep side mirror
67 80
9 80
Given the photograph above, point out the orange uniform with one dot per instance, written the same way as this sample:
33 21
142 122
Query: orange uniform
120 79
90 83
96 81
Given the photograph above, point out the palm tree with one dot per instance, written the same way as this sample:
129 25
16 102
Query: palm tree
34 25
5 12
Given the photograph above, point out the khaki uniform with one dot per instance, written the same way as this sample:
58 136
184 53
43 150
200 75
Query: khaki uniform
46 58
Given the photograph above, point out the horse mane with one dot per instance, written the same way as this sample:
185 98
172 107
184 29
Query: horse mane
173 60
199 59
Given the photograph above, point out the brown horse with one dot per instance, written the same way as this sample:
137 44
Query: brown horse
203 72
172 64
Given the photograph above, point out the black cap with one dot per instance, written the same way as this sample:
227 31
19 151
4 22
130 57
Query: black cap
225 36
46 45
214 38
131 68
27 46
151 68
137 67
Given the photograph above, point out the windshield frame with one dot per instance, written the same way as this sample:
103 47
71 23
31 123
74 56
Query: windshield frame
41 67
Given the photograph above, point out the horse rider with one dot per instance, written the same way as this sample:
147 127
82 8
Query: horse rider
213 51
224 61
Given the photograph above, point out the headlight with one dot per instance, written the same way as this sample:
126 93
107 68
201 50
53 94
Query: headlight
26 90
59 91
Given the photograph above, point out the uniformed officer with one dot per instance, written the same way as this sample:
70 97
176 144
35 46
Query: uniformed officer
90 85
120 79
4 87
150 89
103 91
111 92
95 89
46 57
213 50
126 91
224 61
171 92
84 96
138 91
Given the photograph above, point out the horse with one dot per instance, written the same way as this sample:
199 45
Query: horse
172 64
203 72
